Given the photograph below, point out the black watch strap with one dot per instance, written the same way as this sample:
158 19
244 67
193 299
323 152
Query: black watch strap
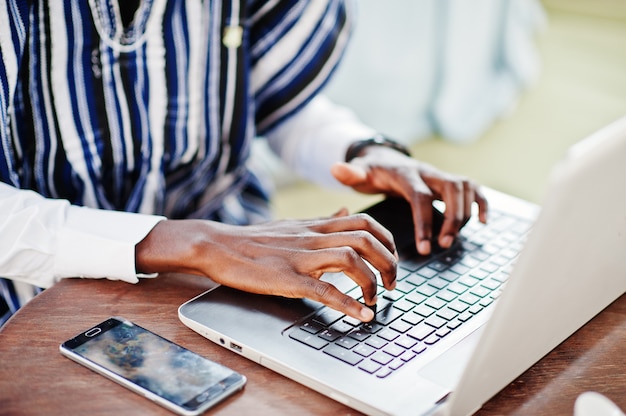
357 147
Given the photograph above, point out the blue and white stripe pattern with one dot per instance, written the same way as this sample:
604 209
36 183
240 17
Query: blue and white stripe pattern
156 117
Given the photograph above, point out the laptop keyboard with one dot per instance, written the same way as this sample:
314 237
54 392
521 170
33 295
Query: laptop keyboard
433 297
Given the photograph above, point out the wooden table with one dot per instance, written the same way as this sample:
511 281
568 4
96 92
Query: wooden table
36 379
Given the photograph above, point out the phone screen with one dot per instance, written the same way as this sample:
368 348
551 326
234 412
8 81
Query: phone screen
154 363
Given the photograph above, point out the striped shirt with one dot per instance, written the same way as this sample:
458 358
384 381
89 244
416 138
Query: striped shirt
157 116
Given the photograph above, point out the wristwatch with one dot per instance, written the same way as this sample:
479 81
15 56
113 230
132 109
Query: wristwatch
378 140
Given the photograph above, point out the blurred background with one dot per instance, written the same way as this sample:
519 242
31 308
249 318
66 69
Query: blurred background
495 90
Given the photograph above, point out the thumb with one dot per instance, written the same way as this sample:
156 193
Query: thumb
348 174
343 212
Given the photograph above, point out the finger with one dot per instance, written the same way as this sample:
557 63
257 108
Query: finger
468 199
329 295
343 212
422 210
483 205
367 248
342 259
454 198
357 222
348 174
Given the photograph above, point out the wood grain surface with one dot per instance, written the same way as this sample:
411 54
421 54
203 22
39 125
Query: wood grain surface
36 379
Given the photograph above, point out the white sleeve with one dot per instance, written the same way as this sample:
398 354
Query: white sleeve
43 240
316 137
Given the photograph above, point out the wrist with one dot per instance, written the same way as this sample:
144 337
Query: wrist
357 148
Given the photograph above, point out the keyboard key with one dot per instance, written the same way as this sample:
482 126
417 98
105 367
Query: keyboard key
311 327
499 260
329 335
457 288
436 322
424 310
371 327
401 326
370 366
381 357
402 272
392 295
383 373
465 316
343 354
404 287
479 274
419 348
412 318
437 265
394 350
469 298
415 298
347 343
308 339
427 272
388 334
328 316
438 283
458 306
415 280
426 290
480 255
404 305
359 335
442 332
435 303
408 356
468 281
433 339
446 295
449 275
351 321
489 267
341 327
500 277
421 331
395 364
486 302
454 324
475 309
480 291
470 261
376 342
364 350
491 284
388 315
406 342
447 314
459 268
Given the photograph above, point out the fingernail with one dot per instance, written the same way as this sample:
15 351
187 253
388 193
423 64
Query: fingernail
424 247
367 314
446 241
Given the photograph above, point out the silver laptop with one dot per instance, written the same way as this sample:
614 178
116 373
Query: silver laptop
464 322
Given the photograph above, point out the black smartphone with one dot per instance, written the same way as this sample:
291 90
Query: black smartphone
146 363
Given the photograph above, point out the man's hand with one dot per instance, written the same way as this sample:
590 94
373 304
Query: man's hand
384 170
285 258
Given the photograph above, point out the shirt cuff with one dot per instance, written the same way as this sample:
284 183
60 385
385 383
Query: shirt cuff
97 243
